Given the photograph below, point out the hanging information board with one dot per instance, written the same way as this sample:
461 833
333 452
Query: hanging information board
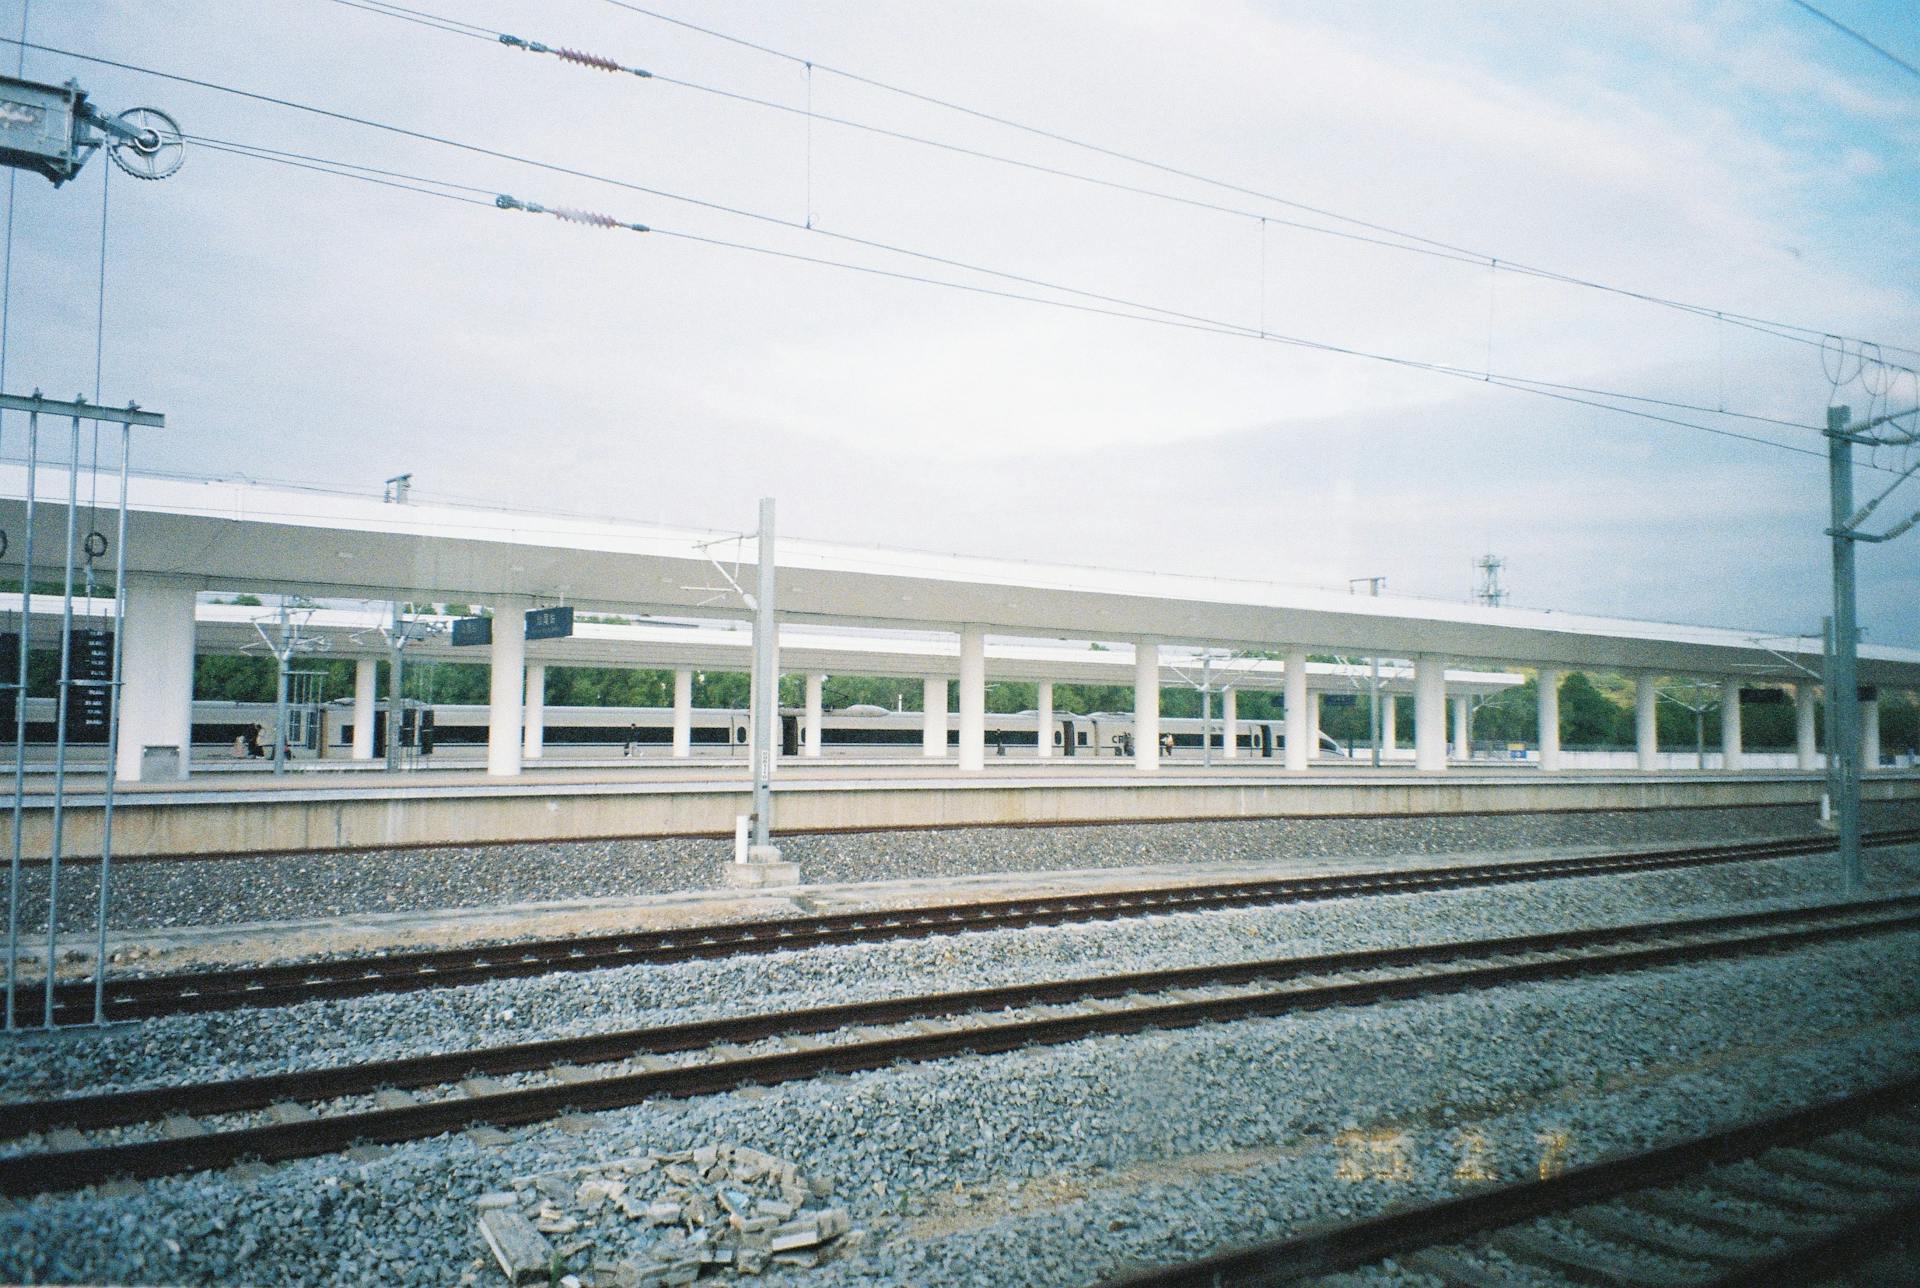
89 700
9 675
472 630
549 623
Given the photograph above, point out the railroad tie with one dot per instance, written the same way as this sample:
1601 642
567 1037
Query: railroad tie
1543 1250
1648 1231
1457 1271
1737 1221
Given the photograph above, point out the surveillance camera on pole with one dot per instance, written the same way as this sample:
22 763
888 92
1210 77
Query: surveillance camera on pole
53 129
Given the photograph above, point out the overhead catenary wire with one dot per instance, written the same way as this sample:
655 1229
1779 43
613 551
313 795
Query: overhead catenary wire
1401 240
1849 32
1546 389
575 172
1475 256
1121 307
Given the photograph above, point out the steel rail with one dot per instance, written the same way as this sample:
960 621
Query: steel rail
43 1171
1408 1230
142 997
118 1108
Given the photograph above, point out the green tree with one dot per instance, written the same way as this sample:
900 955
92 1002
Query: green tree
1587 718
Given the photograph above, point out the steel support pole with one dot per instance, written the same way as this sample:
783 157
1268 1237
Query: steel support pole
284 657
396 688
1206 710
113 730
767 680
20 719
1376 715
1843 693
60 719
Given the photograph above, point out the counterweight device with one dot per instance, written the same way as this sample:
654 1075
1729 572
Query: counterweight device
53 129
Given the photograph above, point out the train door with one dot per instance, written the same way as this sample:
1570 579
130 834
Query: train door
1266 741
789 735
1064 730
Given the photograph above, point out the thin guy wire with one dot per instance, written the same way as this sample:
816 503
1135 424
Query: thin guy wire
1752 321
1194 321
1412 243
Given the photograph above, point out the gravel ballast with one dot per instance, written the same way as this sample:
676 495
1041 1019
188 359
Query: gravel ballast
238 1043
1048 1166
1056 1166
157 894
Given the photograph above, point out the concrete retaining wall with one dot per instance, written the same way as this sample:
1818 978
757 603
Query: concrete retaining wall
152 823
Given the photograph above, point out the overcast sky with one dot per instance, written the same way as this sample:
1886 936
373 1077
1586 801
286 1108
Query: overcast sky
301 326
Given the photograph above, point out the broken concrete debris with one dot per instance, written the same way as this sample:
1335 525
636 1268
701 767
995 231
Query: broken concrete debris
664 1218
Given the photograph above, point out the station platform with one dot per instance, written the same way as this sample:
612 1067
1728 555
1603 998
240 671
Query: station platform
222 814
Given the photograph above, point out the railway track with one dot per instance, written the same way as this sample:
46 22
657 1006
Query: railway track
299 1114
142 997
1797 1198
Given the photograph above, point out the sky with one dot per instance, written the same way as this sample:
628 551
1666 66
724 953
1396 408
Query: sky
1740 156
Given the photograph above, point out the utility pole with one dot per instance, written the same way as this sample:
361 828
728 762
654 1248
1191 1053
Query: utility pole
766 686
1375 725
283 657
1843 669
1206 708
289 640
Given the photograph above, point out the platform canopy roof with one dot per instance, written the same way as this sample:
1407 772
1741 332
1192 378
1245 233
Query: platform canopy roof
356 632
226 535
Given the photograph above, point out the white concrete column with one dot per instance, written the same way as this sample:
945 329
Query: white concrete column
1806 742
1646 724
1870 734
683 713
1463 727
1146 706
533 743
366 675
1549 696
1731 757
973 698
156 669
1043 703
506 686
1229 722
1429 713
1389 723
933 730
1297 704
810 729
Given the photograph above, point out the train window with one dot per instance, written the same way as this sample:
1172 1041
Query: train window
1056 738
1083 737
740 734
